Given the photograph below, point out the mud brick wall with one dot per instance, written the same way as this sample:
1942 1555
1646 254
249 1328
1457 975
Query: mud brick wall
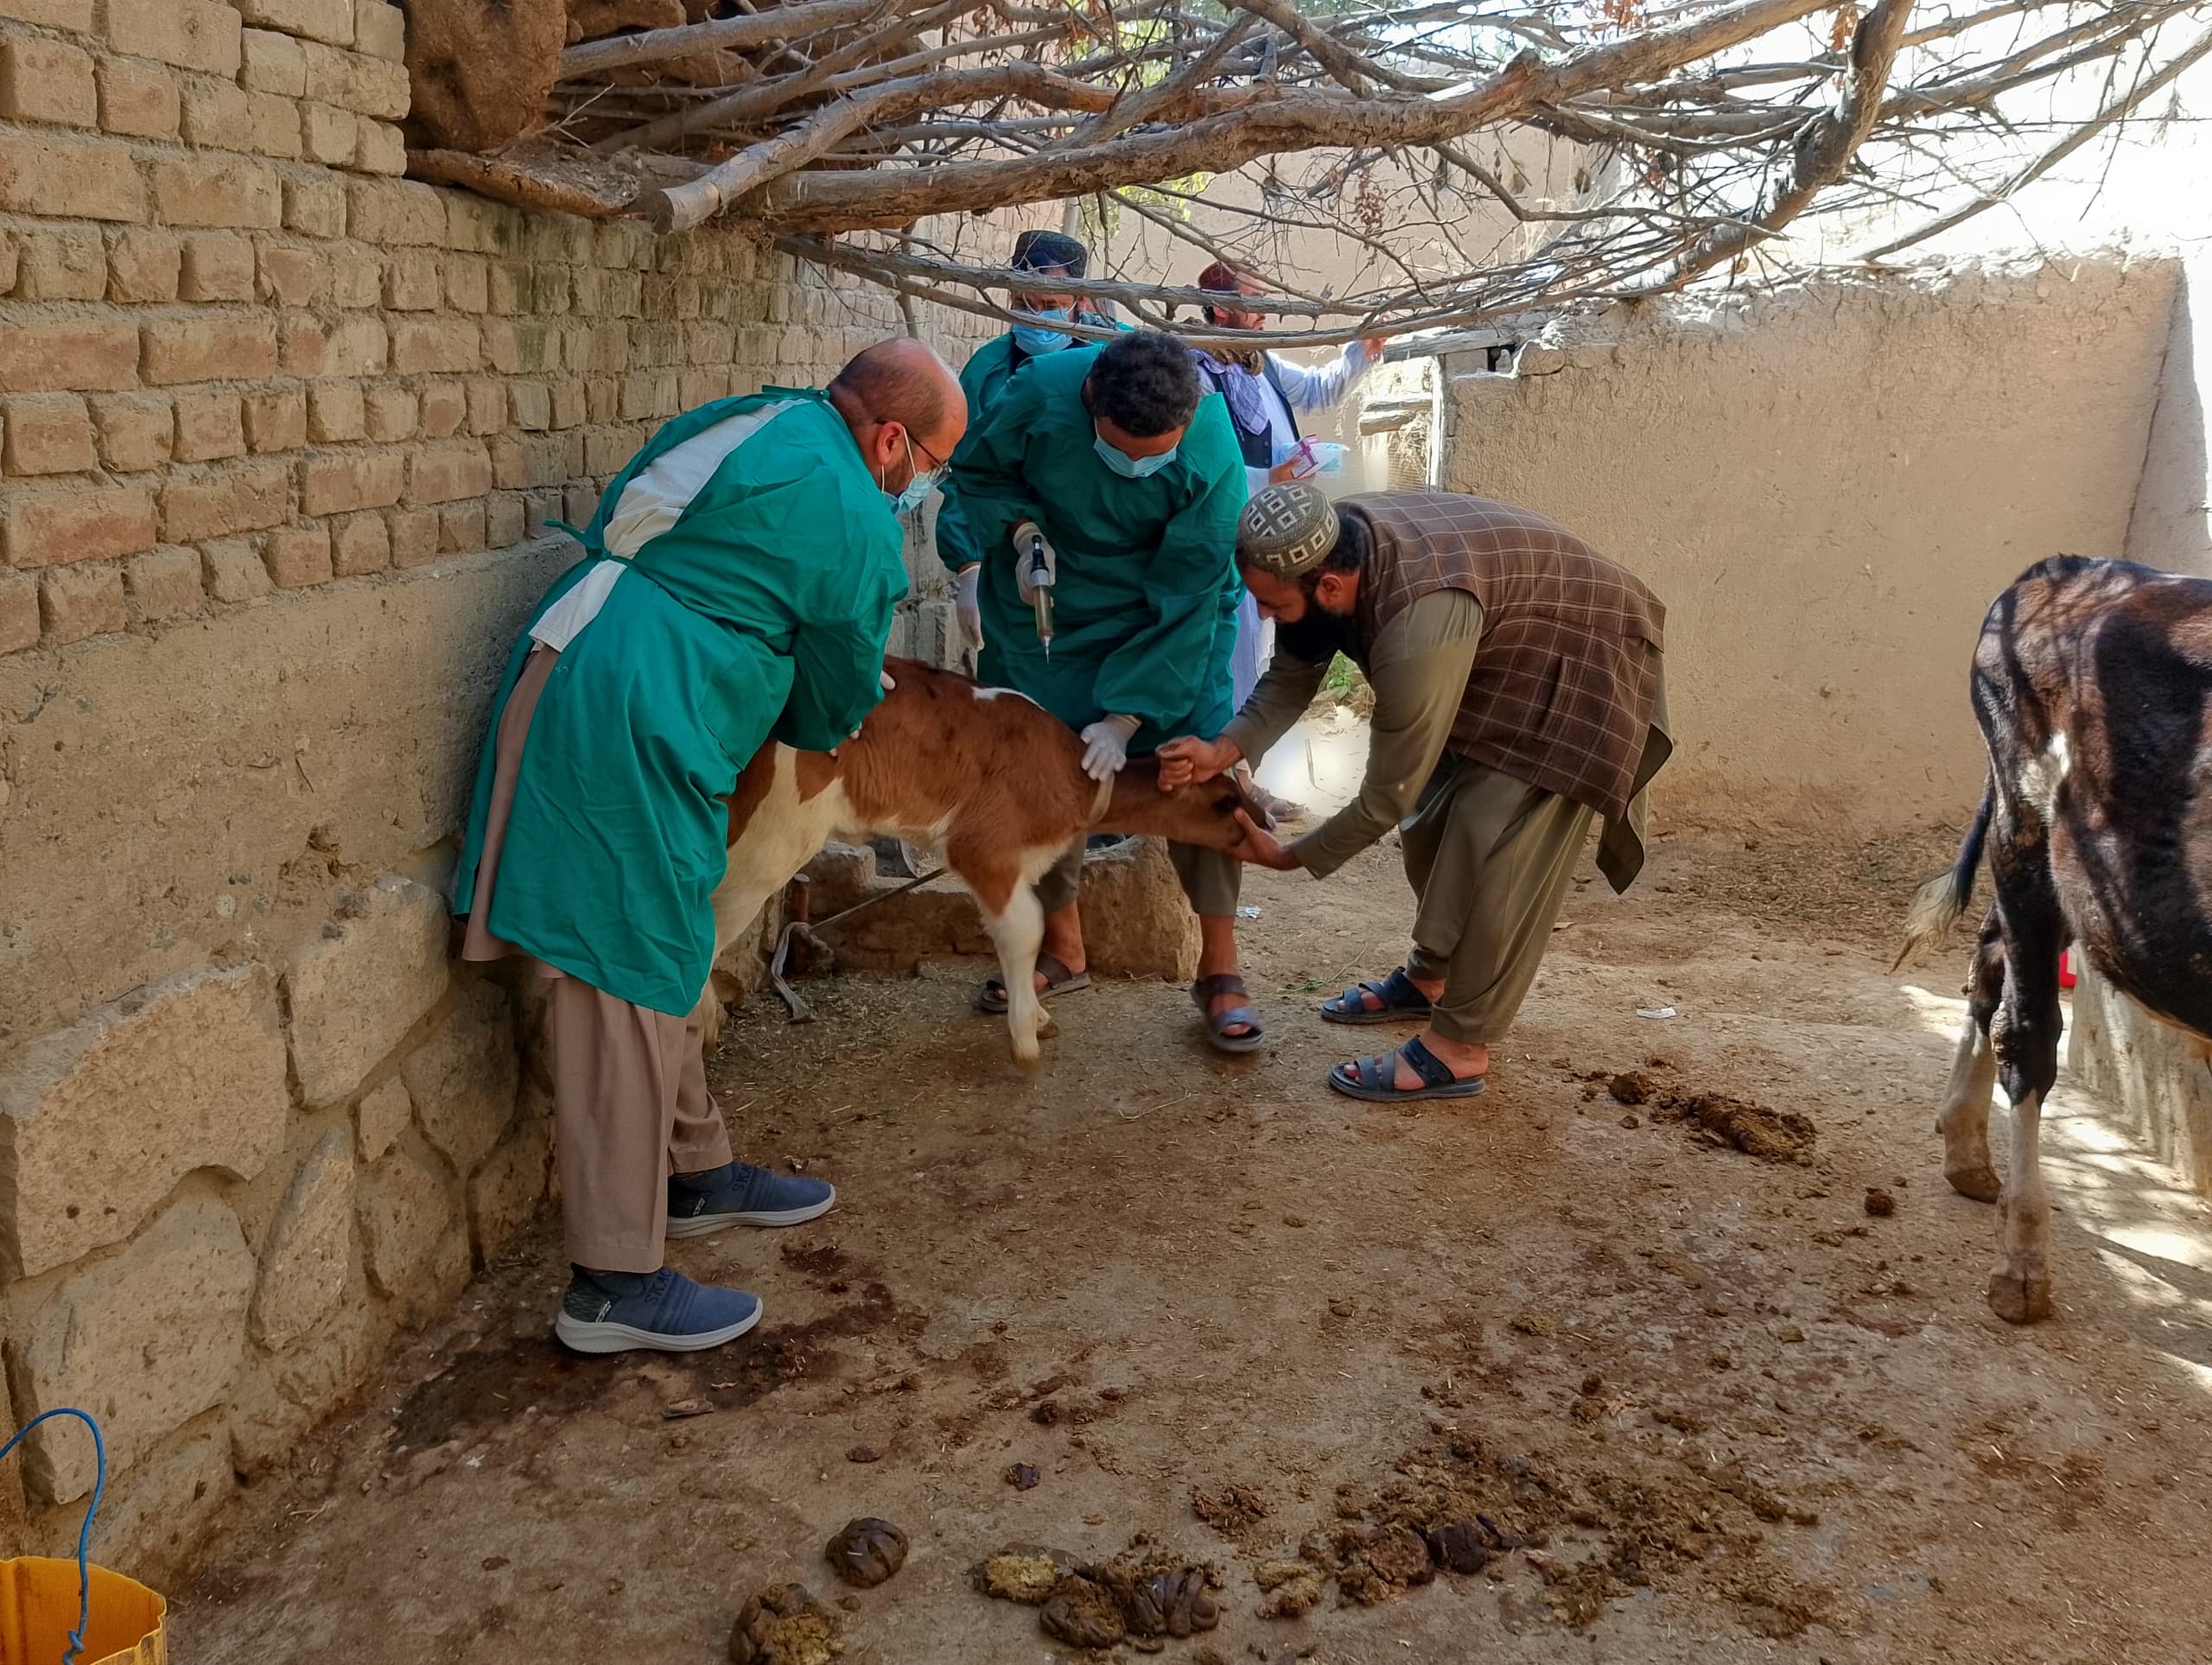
1826 484
280 434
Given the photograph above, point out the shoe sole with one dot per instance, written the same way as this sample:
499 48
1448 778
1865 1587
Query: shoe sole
701 1226
581 1336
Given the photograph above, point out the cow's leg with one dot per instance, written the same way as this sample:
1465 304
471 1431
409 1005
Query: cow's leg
1016 922
1964 1119
779 833
2026 1031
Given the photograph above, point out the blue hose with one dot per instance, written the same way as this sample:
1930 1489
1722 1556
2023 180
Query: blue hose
76 1646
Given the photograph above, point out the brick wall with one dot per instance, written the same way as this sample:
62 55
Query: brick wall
237 356
280 432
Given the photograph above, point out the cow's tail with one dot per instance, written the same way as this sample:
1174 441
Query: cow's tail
1937 904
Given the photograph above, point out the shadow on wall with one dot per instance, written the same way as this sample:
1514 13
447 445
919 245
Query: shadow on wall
2171 525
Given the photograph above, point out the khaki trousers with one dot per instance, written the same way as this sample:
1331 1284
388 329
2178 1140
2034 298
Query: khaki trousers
630 1100
630 1108
1210 878
1490 859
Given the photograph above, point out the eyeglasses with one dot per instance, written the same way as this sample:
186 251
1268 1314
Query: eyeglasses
913 439
937 461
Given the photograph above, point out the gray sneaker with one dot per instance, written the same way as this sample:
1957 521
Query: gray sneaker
663 1311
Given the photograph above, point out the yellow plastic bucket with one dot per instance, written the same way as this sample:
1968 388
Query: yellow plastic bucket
38 1610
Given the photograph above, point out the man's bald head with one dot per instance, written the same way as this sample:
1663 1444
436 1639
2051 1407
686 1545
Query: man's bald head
900 392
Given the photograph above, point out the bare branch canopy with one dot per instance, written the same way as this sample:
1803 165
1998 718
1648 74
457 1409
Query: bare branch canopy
1676 139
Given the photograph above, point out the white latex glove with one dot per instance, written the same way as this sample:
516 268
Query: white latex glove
969 582
1023 534
1106 747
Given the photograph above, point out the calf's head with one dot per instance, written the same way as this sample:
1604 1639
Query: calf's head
1202 813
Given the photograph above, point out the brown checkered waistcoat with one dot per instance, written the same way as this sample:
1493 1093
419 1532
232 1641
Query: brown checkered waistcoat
1562 688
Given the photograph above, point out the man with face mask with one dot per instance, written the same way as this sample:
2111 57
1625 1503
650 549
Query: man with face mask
1266 394
1519 692
1049 256
737 587
1109 459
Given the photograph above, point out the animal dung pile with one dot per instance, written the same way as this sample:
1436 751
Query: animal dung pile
783 1625
1104 1604
1232 1511
1293 1588
1719 1119
866 1552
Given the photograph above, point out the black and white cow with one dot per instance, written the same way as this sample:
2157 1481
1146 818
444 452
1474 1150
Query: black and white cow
2092 681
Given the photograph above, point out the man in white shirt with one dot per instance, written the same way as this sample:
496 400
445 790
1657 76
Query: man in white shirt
1265 394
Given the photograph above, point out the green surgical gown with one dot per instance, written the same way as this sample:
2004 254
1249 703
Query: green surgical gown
762 613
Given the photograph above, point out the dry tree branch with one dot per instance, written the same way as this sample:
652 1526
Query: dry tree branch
683 206
1825 149
1147 103
2116 110
1294 121
738 33
1695 133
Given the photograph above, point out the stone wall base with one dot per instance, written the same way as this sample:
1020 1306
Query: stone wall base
2153 1077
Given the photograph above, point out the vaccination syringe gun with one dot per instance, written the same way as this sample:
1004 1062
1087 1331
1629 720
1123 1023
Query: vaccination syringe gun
1034 569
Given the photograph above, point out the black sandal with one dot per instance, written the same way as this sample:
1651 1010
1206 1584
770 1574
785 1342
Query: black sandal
1375 1079
1400 996
1228 982
1059 980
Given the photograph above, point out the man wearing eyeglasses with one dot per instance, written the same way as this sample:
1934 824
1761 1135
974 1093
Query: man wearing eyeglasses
737 587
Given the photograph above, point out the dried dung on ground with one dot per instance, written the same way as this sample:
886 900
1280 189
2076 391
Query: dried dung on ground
1101 1603
1719 1119
1232 1511
1769 1135
783 1625
1459 1502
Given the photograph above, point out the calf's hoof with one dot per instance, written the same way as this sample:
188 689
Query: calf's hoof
1980 1182
1048 1028
2019 1297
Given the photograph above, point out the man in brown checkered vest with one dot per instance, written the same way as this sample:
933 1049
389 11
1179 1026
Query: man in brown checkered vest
1519 693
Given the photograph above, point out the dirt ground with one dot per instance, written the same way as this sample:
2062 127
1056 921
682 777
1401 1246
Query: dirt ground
1684 1402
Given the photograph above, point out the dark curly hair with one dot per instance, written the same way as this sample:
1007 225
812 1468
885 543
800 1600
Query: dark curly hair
1145 384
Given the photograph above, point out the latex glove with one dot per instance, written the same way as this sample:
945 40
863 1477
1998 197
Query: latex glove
968 583
1106 747
1024 533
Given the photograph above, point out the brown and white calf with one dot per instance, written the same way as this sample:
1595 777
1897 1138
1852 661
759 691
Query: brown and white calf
983 773
2091 683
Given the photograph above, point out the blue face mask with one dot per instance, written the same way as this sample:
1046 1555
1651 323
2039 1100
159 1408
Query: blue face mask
918 488
1129 468
916 492
1033 340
